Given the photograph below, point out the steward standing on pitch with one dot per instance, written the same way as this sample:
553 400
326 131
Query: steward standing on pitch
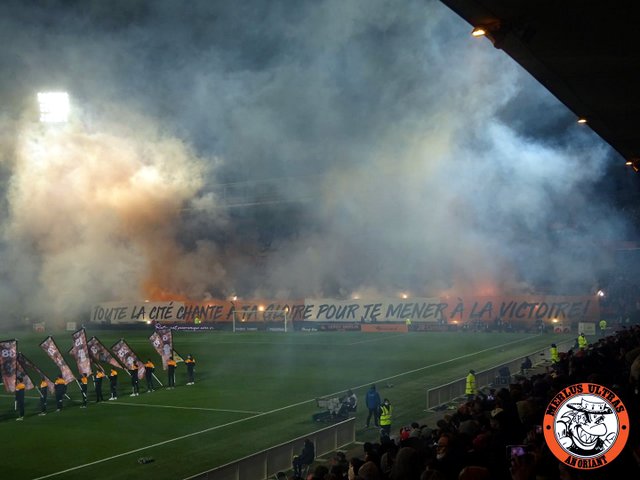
582 341
171 372
60 389
373 404
470 388
20 388
603 327
97 384
191 365
385 418
553 352
113 383
149 368
44 391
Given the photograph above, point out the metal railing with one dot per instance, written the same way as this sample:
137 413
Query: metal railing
265 464
443 394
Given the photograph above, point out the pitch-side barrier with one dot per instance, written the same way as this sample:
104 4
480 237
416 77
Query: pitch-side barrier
496 377
265 464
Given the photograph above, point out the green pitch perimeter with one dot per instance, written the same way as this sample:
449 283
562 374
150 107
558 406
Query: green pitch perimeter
252 391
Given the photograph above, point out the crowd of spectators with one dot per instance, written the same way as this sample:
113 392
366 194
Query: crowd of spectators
470 443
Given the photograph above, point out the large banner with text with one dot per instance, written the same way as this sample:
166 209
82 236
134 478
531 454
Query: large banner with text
515 309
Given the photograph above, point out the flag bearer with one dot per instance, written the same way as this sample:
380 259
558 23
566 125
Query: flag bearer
133 370
113 383
191 365
149 368
44 391
97 384
20 388
84 383
60 389
171 368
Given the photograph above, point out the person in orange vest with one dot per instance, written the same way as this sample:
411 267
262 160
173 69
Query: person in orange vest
61 389
171 372
20 388
149 368
113 384
44 391
191 365
97 385
84 385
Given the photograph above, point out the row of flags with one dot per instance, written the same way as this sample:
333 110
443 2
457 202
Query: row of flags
85 352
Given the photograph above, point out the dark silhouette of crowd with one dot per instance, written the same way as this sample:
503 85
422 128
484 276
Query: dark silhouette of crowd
470 442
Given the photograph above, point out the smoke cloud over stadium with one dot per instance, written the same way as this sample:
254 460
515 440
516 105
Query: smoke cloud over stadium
428 161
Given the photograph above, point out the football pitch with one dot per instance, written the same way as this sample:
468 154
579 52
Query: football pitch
253 390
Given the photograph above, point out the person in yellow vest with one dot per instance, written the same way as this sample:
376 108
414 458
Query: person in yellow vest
603 326
385 418
191 365
149 368
60 389
553 352
407 322
171 372
44 391
470 387
20 388
97 384
113 384
582 341
84 385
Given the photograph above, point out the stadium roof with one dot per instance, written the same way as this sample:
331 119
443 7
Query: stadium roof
586 53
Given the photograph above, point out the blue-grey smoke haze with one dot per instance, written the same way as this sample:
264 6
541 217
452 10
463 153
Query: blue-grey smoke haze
428 160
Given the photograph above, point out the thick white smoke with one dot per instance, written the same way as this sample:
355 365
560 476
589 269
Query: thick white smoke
436 164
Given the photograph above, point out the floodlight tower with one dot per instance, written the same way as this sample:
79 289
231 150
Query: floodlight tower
54 107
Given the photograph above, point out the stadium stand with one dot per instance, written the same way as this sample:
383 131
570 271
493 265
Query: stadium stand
470 441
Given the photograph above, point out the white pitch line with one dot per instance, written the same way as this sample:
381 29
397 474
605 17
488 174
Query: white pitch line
210 429
377 339
182 408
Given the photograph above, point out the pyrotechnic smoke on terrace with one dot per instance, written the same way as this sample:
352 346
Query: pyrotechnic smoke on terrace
438 165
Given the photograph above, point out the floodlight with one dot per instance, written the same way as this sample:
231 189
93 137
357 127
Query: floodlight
54 107
582 120
478 32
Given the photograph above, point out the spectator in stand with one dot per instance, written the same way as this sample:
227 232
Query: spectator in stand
306 458
372 400
525 365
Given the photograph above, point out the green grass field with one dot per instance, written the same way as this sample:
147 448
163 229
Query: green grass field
252 391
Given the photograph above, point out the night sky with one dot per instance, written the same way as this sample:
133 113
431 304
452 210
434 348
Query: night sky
404 155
